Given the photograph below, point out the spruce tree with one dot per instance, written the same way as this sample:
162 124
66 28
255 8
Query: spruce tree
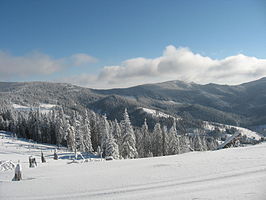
173 146
146 139
165 140
157 140
129 143
71 143
105 131
111 148
118 135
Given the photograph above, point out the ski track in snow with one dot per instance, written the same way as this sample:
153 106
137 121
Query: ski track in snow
155 186
237 173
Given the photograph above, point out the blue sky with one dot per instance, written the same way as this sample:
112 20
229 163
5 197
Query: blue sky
109 34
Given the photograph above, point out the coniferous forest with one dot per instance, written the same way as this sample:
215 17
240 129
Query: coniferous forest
86 131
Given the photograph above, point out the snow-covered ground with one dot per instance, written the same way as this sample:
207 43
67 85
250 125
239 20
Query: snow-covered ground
156 113
44 108
236 173
243 131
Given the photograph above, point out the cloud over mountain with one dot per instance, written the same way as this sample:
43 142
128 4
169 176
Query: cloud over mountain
177 63
174 64
183 64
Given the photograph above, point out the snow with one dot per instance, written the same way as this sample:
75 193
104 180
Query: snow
209 125
243 131
157 113
248 133
47 106
44 108
20 107
233 173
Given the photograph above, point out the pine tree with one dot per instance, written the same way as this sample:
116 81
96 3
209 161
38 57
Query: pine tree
173 146
204 144
165 140
184 144
75 122
129 143
157 140
197 142
94 129
87 134
118 135
2 123
212 144
61 126
105 132
146 139
111 148
71 143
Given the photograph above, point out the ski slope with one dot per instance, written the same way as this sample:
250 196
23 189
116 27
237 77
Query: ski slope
236 173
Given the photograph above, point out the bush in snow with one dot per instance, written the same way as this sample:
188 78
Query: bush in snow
55 155
43 158
32 162
18 172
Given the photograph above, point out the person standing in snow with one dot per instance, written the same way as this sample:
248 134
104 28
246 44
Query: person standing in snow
18 173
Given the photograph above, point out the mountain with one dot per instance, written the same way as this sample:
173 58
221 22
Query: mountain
240 104
243 104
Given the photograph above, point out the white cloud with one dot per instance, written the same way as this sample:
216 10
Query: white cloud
37 63
32 64
174 64
82 59
178 64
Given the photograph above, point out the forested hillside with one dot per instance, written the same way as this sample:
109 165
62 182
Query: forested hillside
147 120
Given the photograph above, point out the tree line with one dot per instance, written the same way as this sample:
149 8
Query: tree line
87 131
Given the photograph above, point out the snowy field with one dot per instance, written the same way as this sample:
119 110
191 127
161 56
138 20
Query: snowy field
236 173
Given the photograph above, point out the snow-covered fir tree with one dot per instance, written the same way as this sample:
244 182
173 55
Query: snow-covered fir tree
111 148
71 142
173 145
184 144
129 143
157 140
94 129
146 140
118 135
61 126
87 133
84 130
165 140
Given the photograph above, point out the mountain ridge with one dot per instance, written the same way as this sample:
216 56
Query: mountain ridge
229 104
